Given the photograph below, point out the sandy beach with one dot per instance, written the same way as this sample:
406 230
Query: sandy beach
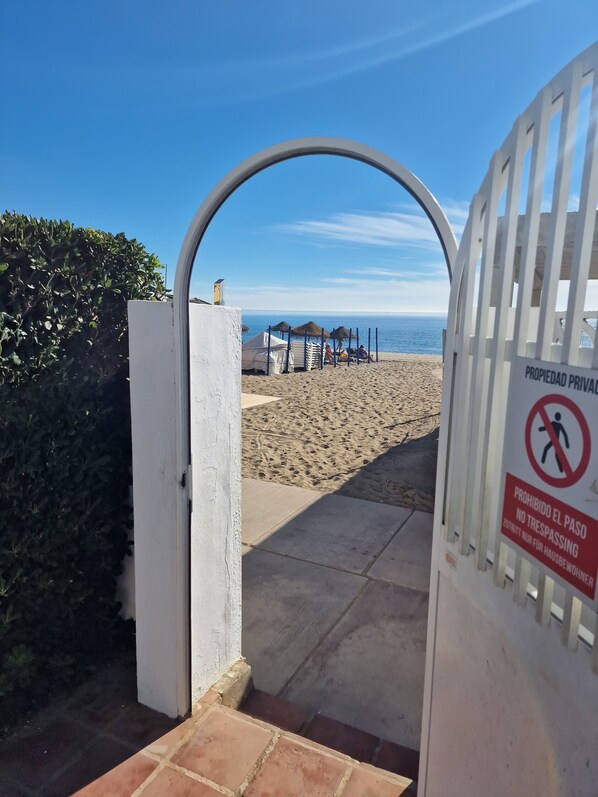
367 431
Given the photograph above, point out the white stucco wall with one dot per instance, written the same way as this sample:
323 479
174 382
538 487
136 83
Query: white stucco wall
215 358
513 711
176 642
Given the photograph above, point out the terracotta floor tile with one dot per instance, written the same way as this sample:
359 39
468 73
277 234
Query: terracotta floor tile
101 756
139 726
295 771
368 783
396 758
34 758
224 748
344 738
170 783
122 781
170 741
275 710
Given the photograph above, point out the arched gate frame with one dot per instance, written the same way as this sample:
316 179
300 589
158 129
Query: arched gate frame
190 648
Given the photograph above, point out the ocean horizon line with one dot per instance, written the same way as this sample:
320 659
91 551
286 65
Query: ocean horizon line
410 333
345 312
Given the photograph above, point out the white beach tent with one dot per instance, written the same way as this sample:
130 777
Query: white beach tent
254 354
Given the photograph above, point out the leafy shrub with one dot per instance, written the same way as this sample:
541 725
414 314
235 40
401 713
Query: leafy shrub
65 447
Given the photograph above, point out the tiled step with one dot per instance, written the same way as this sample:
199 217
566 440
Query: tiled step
357 744
221 751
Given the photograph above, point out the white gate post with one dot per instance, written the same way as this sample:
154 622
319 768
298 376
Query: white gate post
171 670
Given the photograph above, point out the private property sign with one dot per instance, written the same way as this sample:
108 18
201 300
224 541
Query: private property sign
550 471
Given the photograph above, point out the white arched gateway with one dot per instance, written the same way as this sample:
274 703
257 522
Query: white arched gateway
511 660
191 634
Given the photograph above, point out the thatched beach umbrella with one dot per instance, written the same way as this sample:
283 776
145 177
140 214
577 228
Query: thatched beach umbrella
311 329
340 334
282 326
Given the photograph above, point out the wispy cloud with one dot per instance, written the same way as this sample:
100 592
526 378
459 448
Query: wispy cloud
362 56
259 75
318 67
405 227
373 229
430 270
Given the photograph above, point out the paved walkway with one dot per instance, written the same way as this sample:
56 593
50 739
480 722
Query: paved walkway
335 603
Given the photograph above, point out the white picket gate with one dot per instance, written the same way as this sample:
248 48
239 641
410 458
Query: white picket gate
511 696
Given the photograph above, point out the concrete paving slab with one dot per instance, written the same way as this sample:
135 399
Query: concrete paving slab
406 560
369 671
335 530
288 607
267 504
253 400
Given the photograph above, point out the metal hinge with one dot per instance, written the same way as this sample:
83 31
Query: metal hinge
186 481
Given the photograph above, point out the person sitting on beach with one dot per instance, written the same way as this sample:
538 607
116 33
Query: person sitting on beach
328 356
362 354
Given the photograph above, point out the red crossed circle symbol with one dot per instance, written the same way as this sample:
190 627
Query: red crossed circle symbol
570 475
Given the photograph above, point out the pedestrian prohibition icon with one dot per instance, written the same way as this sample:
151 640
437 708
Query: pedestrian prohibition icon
557 440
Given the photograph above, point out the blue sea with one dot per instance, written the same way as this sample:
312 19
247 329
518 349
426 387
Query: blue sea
409 333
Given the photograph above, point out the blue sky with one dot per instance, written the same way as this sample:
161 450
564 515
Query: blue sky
123 115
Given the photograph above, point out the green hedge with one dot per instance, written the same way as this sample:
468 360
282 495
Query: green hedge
65 447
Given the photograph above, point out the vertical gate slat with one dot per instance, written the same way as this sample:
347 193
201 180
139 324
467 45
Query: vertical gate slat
462 375
584 236
552 273
478 408
571 618
544 599
531 227
500 563
491 436
558 216
521 580
527 261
